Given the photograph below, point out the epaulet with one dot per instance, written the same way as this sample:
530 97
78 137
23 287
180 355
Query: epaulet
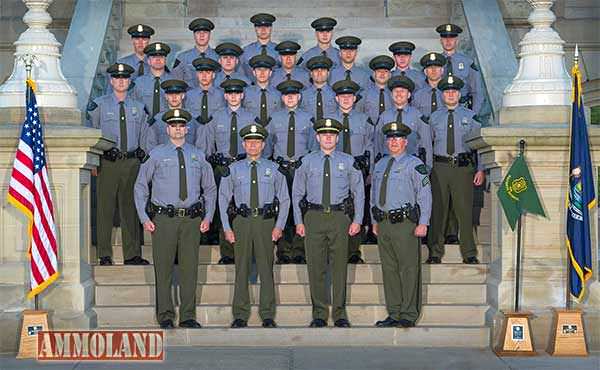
151 120
422 169
370 121
425 119
177 62
477 118
146 110
167 69
299 61
358 97
146 157
92 106
474 67
131 86
312 119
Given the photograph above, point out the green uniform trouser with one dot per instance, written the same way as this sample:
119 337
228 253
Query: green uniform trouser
452 224
225 247
253 236
173 235
291 244
400 252
456 182
115 186
355 241
327 236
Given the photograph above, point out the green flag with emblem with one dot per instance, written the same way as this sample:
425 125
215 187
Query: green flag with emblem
518 194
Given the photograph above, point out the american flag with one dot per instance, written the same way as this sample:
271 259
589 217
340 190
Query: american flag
29 192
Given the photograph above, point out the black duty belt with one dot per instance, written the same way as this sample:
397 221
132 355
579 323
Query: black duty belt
319 207
115 154
291 164
267 211
196 210
397 215
460 160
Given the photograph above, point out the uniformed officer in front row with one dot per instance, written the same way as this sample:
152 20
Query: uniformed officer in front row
455 170
124 121
258 217
328 200
180 209
400 207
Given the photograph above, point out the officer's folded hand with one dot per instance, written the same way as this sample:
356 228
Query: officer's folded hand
229 236
204 226
300 230
421 231
354 229
94 171
276 234
479 178
375 229
149 226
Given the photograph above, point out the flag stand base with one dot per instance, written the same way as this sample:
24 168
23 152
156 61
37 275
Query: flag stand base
515 337
567 337
33 322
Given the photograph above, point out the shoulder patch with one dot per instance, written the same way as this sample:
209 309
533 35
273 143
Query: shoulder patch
422 169
146 157
474 67
167 69
131 86
225 171
92 106
146 110
358 97
425 181
425 119
477 118
151 120
177 62
300 60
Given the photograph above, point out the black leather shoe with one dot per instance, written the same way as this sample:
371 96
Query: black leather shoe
137 260
451 239
300 260
355 260
190 324
387 323
406 323
318 323
167 324
239 323
342 323
269 323
433 260
226 260
106 261
471 260
284 260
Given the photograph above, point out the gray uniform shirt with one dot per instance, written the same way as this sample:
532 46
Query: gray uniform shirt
144 90
361 133
161 137
421 100
252 96
218 131
309 100
345 180
133 61
298 74
220 77
271 185
331 52
162 170
193 100
104 114
464 68
464 127
183 68
304 134
357 74
420 137
371 100
405 185
254 49
418 77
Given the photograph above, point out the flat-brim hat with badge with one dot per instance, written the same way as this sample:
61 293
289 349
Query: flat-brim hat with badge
401 81
448 30
402 47
262 61
120 70
141 30
157 49
433 59
262 19
233 85
229 48
450 83
290 87
288 48
174 86
323 24
201 24
175 116
206 64
345 87
254 131
328 126
396 129
320 61
348 42
382 62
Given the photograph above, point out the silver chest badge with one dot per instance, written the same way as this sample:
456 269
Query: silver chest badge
461 66
465 121
268 172
341 166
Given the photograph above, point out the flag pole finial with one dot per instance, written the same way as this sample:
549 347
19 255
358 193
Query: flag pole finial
576 56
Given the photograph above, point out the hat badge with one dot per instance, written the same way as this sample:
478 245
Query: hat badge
450 79
157 47
394 126
328 122
253 129
120 68
432 56
176 113
448 28
140 28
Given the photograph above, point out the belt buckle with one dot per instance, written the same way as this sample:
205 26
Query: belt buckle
327 209
454 161
181 212
254 212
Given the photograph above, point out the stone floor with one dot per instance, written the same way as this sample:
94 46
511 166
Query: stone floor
329 358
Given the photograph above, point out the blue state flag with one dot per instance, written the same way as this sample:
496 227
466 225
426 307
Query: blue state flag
581 197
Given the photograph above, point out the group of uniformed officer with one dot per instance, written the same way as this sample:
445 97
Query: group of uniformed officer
310 153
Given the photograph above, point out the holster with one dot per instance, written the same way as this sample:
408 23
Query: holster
303 204
198 210
361 163
422 155
348 207
140 154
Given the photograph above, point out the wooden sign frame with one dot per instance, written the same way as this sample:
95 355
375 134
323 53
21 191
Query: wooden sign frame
515 337
33 322
567 336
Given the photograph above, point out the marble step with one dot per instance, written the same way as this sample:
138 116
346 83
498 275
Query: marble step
134 295
293 274
294 315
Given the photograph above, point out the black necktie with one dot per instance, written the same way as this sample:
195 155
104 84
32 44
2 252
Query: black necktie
403 73
433 100
253 185
381 100
384 181
450 134
348 73
123 126
291 139
326 198
233 142
449 68
263 50
263 107
347 141
141 68
399 116
182 175
156 97
227 77
288 76
204 110
324 53
319 104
